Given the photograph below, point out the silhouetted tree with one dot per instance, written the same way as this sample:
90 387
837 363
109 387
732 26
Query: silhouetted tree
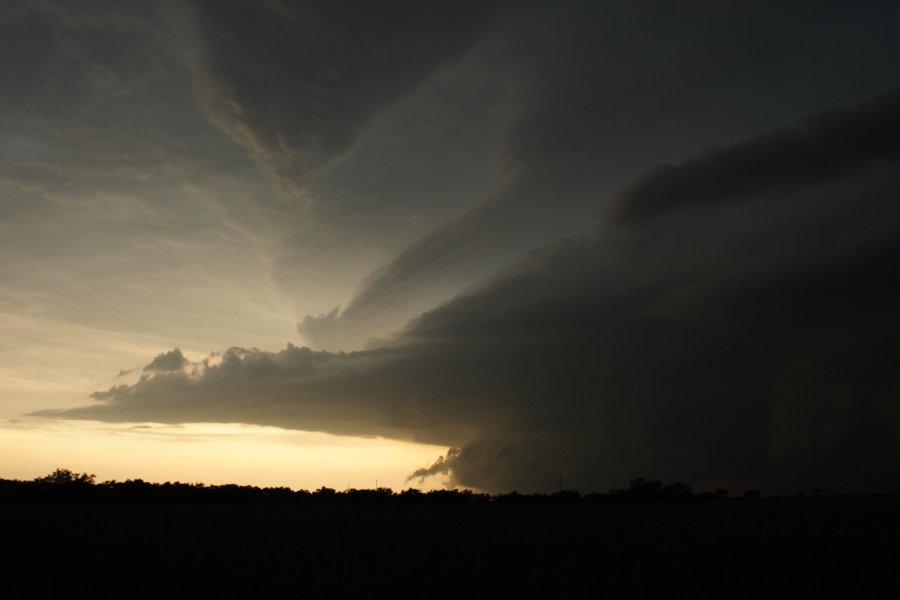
67 477
677 491
325 494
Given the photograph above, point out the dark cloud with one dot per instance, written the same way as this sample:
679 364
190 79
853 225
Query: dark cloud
173 360
608 88
442 466
397 287
830 145
753 346
382 392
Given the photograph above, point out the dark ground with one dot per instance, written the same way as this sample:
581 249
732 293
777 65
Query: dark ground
791 548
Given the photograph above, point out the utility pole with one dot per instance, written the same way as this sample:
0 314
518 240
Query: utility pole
560 483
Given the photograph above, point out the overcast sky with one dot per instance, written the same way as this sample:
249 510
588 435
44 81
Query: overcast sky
603 238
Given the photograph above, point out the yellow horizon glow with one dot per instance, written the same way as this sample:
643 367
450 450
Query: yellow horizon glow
211 453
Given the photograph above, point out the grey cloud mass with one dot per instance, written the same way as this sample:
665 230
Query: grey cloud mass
834 144
608 88
173 360
604 238
746 343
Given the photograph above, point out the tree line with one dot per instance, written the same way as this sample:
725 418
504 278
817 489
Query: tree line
66 485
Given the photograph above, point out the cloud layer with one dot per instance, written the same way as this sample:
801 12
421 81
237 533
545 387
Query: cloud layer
737 333
295 84
606 89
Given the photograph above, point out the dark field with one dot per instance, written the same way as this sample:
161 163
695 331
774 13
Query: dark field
793 548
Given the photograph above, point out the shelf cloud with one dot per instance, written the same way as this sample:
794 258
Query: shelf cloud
731 320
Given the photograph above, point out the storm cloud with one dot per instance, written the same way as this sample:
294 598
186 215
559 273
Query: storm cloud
599 238
606 89
741 334
835 144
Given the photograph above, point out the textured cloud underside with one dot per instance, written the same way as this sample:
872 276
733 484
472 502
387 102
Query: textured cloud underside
743 332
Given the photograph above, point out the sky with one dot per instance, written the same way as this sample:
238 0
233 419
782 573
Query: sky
464 244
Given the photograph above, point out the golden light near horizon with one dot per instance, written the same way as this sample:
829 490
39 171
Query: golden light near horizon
53 363
211 453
